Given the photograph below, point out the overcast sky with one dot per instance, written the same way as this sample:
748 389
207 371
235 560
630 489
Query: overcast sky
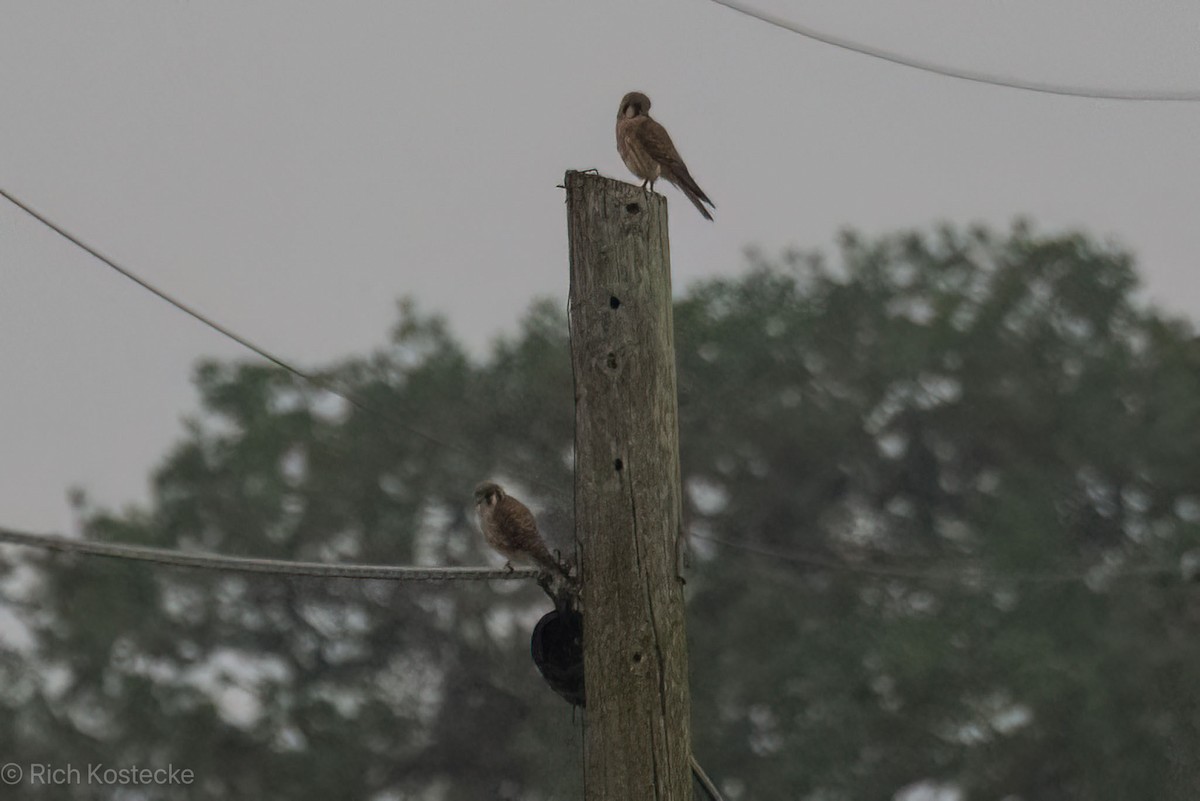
293 168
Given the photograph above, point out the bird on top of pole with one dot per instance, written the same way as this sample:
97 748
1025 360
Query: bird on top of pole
649 153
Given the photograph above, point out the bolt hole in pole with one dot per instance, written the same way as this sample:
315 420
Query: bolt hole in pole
618 465
614 302
632 208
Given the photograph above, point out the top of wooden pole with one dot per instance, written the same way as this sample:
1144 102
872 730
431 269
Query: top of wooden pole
614 199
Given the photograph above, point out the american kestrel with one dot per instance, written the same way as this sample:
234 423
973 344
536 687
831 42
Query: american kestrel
510 528
648 152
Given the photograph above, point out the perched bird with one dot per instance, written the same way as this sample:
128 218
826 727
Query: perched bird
510 528
648 152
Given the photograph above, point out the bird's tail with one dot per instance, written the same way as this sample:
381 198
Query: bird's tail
687 184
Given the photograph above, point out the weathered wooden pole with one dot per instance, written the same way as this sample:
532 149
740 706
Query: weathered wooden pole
637 745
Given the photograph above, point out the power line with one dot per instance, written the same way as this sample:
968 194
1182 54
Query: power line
283 567
240 564
960 574
975 76
178 304
310 378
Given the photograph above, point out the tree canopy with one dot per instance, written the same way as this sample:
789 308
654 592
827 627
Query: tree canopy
937 497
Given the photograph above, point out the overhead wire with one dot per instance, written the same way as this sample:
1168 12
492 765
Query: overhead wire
276 567
963 74
306 376
283 567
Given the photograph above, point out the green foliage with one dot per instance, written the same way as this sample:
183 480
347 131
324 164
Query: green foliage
928 428
967 405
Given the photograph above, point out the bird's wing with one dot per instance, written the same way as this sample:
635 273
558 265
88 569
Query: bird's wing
520 526
514 517
658 145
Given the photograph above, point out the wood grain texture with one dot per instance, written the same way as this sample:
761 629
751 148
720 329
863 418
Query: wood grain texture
627 493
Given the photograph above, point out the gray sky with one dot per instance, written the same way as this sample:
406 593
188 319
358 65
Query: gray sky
293 168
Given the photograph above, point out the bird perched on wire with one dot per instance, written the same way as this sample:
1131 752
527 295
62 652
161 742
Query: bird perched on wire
510 528
648 152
